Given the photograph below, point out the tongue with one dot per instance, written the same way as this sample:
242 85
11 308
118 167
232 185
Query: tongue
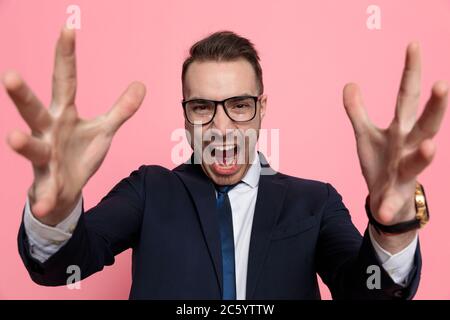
227 161
225 157
225 167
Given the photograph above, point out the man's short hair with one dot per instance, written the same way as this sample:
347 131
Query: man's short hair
225 46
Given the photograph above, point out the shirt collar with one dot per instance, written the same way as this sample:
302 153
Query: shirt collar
251 178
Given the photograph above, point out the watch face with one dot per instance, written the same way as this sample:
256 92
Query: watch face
422 212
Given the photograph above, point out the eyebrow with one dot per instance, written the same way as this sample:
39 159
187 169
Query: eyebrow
202 98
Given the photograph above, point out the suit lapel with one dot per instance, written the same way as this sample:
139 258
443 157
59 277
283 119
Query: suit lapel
271 193
203 195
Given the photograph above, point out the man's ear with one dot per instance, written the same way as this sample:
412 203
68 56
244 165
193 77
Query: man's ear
263 103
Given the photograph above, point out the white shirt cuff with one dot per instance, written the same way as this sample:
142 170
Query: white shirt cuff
44 240
398 265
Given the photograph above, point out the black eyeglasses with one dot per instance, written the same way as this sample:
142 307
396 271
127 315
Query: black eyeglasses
238 109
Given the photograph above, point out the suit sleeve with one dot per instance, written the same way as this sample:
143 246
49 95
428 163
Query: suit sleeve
102 232
348 263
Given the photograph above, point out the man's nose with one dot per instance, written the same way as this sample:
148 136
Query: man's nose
221 121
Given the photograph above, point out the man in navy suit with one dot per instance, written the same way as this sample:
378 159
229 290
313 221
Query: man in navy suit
224 225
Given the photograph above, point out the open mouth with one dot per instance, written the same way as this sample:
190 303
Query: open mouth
225 159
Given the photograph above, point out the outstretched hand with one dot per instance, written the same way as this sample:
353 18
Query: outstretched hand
64 150
392 158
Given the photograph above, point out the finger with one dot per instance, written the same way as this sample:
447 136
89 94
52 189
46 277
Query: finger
35 150
354 106
409 92
64 72
430 121
30 108
126 106
413 164
47 200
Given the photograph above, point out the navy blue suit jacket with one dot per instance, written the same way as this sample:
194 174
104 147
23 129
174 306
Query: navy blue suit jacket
301 228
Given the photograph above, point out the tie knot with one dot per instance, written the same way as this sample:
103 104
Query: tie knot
224 189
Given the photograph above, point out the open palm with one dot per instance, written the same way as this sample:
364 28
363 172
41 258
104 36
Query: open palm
65 150
392 158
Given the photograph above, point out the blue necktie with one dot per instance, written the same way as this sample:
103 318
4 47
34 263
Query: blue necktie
227 242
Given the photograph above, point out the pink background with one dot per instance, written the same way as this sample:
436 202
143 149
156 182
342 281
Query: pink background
309 50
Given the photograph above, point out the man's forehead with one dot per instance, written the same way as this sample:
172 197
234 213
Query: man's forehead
218 80
243 93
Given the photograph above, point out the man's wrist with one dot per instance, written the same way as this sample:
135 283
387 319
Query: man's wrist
402 226
393 243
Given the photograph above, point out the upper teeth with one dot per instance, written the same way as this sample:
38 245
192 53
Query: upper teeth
224 148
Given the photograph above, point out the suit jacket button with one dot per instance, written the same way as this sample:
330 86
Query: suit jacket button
398 294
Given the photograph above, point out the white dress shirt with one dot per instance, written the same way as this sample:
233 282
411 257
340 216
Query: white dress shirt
44 240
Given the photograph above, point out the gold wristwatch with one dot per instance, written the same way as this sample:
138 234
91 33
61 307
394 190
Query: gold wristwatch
421 219
422 212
